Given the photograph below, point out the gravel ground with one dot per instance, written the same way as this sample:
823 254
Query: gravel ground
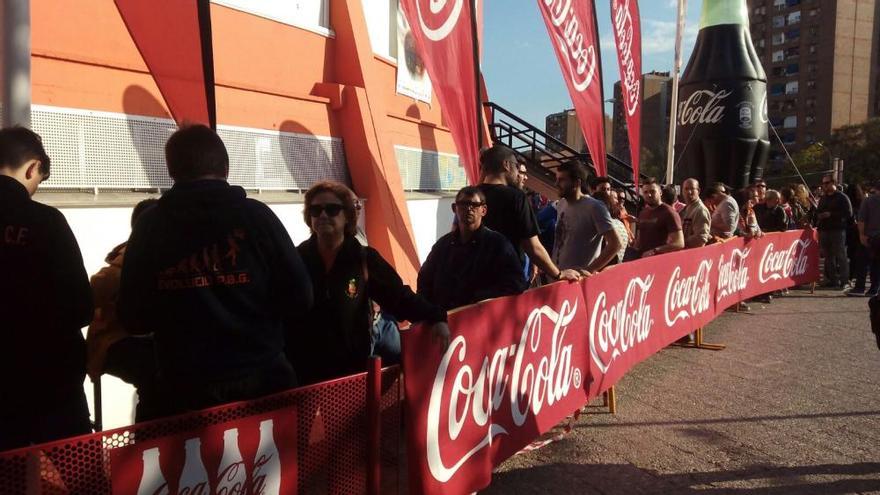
792 406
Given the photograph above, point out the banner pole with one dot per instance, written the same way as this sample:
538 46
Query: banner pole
477 92
673 111
207 40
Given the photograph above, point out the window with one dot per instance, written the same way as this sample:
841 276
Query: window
810 120
789 138
791 88
778 21
794 17
811 84
812 49
761 43
814 12
310 14
791 69
792 52
381 17
811 68
811 102
779 3
792 34
776 121
777 89
778 56
790 122
778 38
792 3
778 71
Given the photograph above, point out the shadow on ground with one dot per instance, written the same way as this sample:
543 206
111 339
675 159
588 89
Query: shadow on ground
609 479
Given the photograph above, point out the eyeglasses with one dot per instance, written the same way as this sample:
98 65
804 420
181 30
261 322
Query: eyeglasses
332 209
469 205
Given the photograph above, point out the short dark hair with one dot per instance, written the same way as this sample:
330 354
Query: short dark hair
470 191
575 171
716 188
196 151
668 195
830 177
343 194
141 207
18 145
492 159
602 179
650 181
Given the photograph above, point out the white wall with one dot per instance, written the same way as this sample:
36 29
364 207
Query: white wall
98 230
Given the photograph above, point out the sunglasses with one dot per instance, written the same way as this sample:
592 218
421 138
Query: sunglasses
470 205
332 209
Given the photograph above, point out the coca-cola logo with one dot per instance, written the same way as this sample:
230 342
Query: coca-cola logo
580 61
442 16
764 117
687 297
618 327
625 32
702 107
779 264
733 274
745 115
541 373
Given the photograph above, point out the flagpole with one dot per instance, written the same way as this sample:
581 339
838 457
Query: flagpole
673 112
479 96
207 41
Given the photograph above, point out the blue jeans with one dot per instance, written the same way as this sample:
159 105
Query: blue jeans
833 245
386 339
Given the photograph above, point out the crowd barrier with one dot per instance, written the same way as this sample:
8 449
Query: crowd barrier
516 367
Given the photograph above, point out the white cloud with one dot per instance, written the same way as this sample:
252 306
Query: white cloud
659 36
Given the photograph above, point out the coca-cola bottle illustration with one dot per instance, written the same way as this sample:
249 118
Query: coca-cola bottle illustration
267 465
231 474
194 478
721 132
152 480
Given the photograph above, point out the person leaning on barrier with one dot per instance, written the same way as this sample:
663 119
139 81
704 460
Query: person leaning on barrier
509 212
45 302
770 214
659 225
725 214
585 237
215 276
333 339
472 263
110 349
611 202
695 218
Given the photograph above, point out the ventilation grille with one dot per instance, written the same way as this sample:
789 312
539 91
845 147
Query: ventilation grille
429 170
116 151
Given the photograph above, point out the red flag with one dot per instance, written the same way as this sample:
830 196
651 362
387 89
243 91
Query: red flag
174 38
573 33
444 38
628 40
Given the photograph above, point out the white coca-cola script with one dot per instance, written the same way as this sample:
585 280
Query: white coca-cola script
618 327
779 264
689 296
702 107
733 274
623 29
580 60
436 9
541 373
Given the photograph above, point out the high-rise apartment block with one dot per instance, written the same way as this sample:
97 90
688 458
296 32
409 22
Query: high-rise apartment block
822 58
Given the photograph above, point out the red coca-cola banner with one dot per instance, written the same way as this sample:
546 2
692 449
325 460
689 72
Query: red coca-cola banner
254 455
628 40
575 38
174 38
518 365
443 34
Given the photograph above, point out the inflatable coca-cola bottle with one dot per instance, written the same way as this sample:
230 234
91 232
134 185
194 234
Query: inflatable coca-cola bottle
721 132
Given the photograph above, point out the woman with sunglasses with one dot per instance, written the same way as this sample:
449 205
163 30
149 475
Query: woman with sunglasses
334 340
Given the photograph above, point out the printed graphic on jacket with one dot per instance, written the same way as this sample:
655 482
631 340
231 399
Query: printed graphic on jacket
216 264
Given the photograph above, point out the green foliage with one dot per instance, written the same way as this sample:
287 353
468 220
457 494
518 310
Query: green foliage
858 146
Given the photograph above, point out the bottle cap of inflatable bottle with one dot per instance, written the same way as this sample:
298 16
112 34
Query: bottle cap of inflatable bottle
717 12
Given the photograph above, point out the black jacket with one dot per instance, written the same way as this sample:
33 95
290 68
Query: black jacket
841 212
771 219
334 339
45 300
457 274
215 276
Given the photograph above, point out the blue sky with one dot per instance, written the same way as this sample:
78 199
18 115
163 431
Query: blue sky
520 67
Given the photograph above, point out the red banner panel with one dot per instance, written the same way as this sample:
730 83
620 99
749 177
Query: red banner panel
173 37
575 38
255 455
514 369
519 365
627 29
444 39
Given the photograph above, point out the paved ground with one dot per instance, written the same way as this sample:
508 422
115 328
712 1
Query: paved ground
792 406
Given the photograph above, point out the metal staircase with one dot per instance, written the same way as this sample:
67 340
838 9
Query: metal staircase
542 153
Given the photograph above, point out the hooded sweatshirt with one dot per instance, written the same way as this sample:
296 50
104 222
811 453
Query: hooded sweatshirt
215 276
